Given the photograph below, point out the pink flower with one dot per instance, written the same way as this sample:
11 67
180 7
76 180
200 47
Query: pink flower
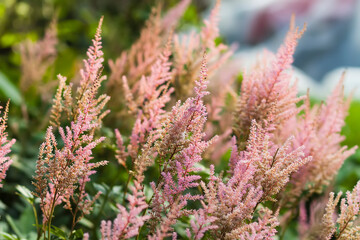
5 145
127 222
62 172
266 93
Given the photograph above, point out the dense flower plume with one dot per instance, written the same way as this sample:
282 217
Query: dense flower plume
62 172
179 148
152 93
319 132
37 58
324 223
266 91
86 100
127 223
188 49
179 165
5 145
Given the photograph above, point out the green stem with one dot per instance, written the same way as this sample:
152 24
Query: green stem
51 213
77 206
126 187
36 222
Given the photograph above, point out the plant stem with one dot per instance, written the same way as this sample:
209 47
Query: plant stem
126 186
51 213
36 221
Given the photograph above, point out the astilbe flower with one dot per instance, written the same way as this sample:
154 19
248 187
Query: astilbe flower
204 217
262 229
62 172
121 153
127 222
152 93
267 93
257 174
338 226
86 99
187 62
142 54
36 58
5 145
179 148
187 52
138 60
221 106
148 49
273 165
318 130
313 222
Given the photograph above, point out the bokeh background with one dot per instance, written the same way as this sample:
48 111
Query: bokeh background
330 46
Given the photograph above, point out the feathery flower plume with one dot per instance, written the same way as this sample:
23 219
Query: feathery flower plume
319 132
121 153
210 31
62 172
143 53
152 93
36 58
5 145
266 93
338 226
173 15
273 165
263 229
204 217
317 221
221 105
85 100
179 148
127 222
137 61
187 49
257 174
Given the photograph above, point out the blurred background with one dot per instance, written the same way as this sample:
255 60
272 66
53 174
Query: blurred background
330 45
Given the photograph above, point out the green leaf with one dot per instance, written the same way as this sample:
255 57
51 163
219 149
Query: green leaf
10 90
86 222
58 232
219 40
77 234
8 236
13 226
101 187
240 78
25 193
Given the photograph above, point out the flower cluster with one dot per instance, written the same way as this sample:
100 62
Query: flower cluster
162 132
127 223
266 92
36 58
5 145
270 154
63 171
318 130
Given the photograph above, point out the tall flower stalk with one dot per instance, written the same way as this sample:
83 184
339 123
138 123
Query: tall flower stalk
266 91
178 149
63 171
5 145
